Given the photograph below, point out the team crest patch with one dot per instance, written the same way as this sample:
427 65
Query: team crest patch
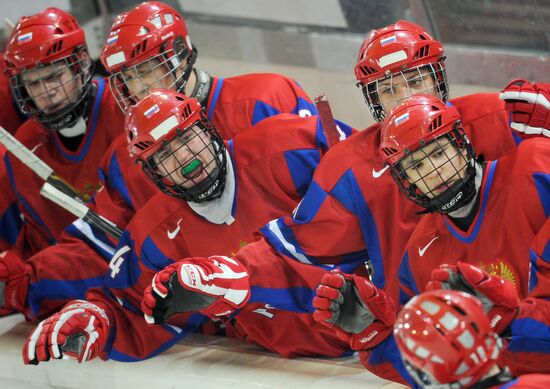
242 243
25 37
151 111
502 269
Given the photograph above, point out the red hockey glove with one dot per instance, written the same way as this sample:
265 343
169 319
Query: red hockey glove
529 105
498 296
79 331
215 286
359 312
14 283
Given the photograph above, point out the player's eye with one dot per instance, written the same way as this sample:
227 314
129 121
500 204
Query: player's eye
415 82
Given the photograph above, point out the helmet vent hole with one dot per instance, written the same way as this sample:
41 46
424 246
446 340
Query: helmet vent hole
436 123
389 151
55 47
367 70
187 111
139 49
423 52
143 145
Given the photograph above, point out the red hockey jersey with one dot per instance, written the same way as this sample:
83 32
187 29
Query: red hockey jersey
43 220
514 206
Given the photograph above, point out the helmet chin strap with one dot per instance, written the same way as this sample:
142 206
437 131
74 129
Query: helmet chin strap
79 128
467 208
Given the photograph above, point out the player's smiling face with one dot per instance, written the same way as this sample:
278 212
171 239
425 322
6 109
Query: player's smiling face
435 167
397 88
187 159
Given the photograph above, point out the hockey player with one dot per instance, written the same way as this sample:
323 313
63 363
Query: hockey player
353 215
72 122
446 340
468 201
219 194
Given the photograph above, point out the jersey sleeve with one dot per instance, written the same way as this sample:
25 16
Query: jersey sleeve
529 345
285 96
319 218
60 273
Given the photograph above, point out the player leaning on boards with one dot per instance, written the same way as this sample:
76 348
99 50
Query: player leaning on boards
353 214
470 202
447 341
219 194
73 120
148 46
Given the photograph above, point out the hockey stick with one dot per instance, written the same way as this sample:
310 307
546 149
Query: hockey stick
34 163
80 210
332 133
61 192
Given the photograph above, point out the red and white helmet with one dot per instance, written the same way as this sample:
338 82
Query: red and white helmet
390 52
51 38
418 122
150 40
177 145
446 339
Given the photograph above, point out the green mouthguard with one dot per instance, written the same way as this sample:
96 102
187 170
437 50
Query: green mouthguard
190 167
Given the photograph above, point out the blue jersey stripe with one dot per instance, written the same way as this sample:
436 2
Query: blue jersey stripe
485 200
388 352
262 111
301 165
348 192
92 126
215 96
10 223
529 335
59 290
542 182
116 181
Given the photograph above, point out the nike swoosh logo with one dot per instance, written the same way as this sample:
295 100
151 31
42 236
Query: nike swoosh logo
421 251
172 234
378 174
36 147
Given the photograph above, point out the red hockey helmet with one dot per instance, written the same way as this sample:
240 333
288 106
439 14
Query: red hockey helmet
148 47
446 339
399 53
413 136
177 145
49 67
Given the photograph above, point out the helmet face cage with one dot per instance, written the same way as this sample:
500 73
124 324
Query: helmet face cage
459 186
166 70
200 175
428 79
61 86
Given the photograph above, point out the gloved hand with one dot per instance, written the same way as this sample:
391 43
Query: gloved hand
529 105
359 312
14 283
498 296
79 330
215 286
